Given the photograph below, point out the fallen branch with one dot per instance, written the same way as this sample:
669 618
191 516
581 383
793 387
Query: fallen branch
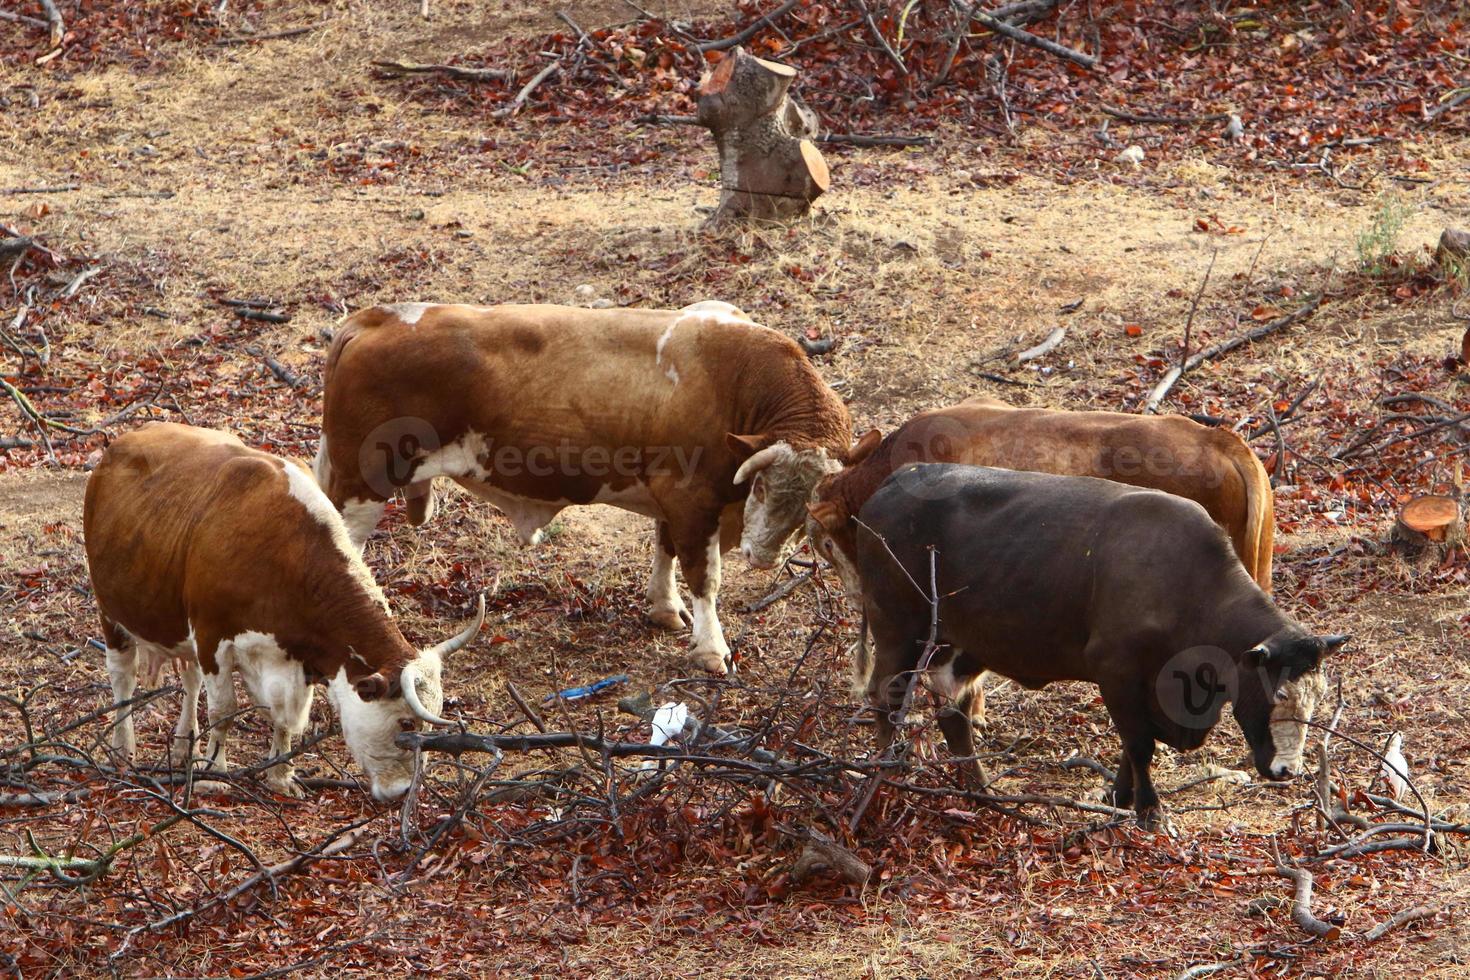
460 72
749 32
274 35
59 189
23 19
1052 341
1026 37
458 743
73 287
283 374
1432 114
1175 373
525 92
1406 916
265 316
779 592
875 139
1301 906
1152 120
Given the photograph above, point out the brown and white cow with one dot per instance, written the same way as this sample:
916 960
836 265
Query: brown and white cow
223 558
1212 467
697 418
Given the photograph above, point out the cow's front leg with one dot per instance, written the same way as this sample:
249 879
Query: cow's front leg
665 608
186 732
697 544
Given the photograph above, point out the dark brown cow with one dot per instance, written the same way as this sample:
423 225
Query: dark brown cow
1043 578
686 416
223 559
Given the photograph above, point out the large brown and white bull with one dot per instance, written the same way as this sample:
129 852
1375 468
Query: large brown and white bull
226 559
712 425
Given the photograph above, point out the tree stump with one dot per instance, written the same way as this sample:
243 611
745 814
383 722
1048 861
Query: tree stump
1429 524
769 166
1453 252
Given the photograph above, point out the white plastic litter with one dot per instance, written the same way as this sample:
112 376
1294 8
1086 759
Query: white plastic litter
1395 768
668 722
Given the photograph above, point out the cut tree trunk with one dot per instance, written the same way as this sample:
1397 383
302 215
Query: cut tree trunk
769 166
1430 524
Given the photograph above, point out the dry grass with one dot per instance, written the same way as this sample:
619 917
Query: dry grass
919 273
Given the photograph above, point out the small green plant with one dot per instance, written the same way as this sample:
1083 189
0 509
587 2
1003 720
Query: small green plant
1380 240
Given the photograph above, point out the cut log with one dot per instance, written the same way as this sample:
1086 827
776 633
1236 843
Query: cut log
1428 524
1453 253
769 167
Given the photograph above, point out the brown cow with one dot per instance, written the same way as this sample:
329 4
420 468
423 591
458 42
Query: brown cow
223 558
1210 466
678 415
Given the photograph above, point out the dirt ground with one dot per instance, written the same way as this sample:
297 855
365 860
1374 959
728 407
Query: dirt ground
259 171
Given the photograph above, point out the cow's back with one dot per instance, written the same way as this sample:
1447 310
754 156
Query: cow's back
146 503
1212 467
1031 567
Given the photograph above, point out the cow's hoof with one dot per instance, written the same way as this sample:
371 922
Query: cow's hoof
712 661
669 619
1158 822
181 753
286 787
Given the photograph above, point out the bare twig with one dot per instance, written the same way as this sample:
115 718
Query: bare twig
1402 918
1052 341
274 35
1026 37
779 592
1301 905
460 72
1161 390
525 92
1148 119
748 32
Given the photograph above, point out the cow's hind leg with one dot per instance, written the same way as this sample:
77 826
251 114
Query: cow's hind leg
959 733
219 690
665 607
186 732
122 671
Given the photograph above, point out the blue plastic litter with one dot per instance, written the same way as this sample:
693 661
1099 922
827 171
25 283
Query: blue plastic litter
586 690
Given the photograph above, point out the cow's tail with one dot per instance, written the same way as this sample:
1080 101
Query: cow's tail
1260 515
862 660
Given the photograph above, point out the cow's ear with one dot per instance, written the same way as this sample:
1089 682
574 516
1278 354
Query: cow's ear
825 514
864 447
745 447
372 687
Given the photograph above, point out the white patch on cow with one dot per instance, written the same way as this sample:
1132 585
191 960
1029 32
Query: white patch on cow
464 456
361 516
719 308
671 372
1296 701
370 727
710 649
277 683
408 313
318 506
943 681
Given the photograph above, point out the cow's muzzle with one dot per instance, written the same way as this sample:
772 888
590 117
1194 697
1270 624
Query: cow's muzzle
754 560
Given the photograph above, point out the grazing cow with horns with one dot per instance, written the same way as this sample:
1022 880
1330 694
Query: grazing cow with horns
223 558
698 418
1044 578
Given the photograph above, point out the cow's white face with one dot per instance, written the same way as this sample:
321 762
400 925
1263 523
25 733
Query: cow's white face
370 727
1295 703
781 480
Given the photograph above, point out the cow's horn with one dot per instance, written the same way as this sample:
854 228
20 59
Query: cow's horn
410 682
758 462
1335 640
456 642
